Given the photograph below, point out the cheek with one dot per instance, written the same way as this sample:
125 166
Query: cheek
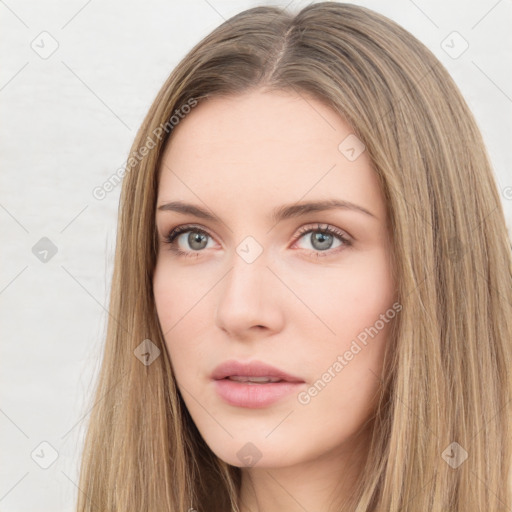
180 294
182 307
346 369
348 339
345 300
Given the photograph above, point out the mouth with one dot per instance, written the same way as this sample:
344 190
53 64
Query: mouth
253 384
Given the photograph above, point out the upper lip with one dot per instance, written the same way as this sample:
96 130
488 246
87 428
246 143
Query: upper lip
251 369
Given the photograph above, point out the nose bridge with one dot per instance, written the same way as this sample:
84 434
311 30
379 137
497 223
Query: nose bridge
246 279
245 299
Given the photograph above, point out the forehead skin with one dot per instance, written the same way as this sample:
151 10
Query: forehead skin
249 153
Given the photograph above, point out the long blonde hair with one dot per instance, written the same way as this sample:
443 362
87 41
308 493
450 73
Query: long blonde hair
447 373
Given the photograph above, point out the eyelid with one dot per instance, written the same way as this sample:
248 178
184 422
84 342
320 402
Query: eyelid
183 228
329 228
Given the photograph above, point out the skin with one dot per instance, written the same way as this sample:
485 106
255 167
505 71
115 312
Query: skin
296 307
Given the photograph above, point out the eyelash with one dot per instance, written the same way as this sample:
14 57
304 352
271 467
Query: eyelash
330 230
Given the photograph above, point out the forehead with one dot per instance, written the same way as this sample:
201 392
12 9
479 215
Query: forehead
264 149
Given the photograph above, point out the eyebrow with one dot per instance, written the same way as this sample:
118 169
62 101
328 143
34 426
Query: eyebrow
278 214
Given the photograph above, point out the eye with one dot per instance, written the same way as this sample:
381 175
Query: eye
321 239
196 239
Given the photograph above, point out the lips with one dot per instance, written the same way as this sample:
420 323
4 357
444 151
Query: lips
255 372
253 384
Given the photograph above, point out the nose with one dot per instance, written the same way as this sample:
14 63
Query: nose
250 300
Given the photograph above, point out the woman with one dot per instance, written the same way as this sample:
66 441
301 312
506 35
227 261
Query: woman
311 301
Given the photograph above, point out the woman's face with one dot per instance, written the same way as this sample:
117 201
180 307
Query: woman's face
259 281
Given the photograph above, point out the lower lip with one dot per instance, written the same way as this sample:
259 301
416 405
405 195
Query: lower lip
243 394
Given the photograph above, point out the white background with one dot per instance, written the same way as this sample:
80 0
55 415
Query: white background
67 125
